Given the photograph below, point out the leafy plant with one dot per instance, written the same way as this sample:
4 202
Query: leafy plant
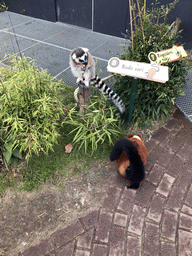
11 155
30 110
2 6
151 33
96 127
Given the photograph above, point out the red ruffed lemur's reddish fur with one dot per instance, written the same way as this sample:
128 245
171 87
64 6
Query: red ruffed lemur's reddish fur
130 156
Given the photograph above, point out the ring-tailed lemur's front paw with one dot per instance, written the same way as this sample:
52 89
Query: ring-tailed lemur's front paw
86 83
79 80
82 81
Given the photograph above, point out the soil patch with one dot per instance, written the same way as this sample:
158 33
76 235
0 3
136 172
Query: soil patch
27 217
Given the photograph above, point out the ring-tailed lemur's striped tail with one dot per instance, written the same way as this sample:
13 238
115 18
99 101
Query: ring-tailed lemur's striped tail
110 94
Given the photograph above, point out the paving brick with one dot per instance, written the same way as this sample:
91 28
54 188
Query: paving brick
112 198
176 143
188 164
133 246
126 200
175 198
90 219
117 234
179 140
85 239
178 127
184 179
178 115
81 253
153 157
137 220
64 235
151 243
169 225
144 194
165 143
120 219
176 166
185 221
99 249
151 144
39 249
120 181
67 250
117 238
184 133
151 160
165 185
186 209
161 134
156 208
189 140
168 249
51 254
158 151
155 174
165 157
185 243
116 249
103 226
171 124
149 166
188 199
185 151
187 123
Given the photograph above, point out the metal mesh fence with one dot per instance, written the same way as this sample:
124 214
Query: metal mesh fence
184 102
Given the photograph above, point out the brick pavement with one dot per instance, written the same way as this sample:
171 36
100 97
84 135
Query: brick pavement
154 220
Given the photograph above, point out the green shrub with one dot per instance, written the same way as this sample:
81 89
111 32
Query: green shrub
151 34
30 110
96 127
2 6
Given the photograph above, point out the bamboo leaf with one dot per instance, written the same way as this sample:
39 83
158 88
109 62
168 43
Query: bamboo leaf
7 156
17 153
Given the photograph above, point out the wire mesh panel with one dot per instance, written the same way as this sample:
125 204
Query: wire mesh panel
184 102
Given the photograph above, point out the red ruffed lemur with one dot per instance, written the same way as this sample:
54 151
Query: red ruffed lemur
130 156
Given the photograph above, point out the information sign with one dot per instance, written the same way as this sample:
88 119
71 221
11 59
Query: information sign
153 71
170 55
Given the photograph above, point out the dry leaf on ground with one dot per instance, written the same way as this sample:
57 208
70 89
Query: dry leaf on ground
68 148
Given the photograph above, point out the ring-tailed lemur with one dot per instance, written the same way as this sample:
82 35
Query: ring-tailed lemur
83 67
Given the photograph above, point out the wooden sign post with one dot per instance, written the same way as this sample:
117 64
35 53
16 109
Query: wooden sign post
150 71
84 94
146 71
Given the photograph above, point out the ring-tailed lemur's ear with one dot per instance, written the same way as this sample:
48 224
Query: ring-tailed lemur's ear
74 57
84 49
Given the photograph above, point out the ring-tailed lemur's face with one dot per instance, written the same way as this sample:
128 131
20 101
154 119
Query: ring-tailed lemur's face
80 57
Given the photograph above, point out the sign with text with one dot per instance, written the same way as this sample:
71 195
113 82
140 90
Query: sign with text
142 70
170 55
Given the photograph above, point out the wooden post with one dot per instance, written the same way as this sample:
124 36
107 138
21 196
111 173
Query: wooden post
84 94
